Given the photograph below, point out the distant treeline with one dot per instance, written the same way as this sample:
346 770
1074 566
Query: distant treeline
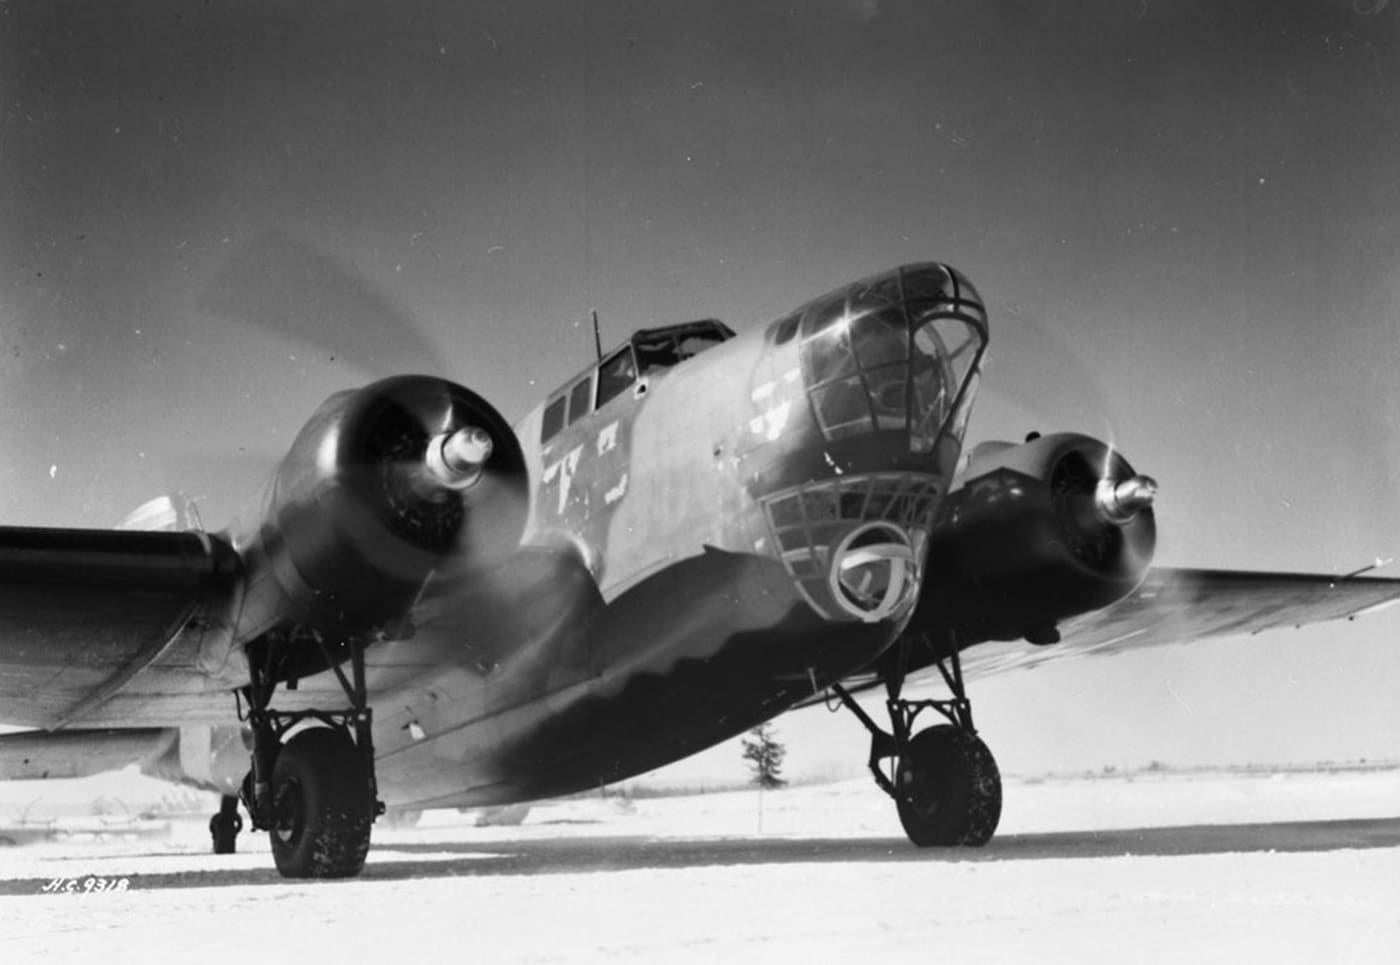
1157 767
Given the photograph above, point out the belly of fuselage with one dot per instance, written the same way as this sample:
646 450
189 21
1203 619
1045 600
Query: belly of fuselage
695 654
754 522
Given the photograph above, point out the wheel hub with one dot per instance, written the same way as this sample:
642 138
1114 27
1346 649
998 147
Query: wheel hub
289 812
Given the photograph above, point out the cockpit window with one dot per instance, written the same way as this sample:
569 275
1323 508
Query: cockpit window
842 408
649 350
581 399
881 337
944 351
828 352
616 375
553 419
664 348
894 352
875 293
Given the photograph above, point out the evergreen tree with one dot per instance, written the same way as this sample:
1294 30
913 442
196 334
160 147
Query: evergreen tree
765 756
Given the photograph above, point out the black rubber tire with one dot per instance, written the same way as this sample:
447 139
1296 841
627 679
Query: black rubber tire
224 826
321 810
948 789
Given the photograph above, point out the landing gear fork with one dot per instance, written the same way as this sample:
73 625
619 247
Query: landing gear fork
270 726
891 745
944 780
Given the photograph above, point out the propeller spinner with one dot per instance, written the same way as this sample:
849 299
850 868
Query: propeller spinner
1120 502
456 459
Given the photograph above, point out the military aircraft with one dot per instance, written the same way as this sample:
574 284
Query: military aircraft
685 539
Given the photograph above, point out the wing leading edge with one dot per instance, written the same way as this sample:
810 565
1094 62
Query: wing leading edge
1185 605
1174 606
82 612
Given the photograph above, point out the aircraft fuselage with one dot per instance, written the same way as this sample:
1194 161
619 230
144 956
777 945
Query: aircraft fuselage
715 541
718 527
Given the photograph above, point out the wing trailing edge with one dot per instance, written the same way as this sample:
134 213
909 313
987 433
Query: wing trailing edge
82 612
1176 606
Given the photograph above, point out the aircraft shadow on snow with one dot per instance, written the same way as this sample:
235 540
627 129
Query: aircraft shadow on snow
631 853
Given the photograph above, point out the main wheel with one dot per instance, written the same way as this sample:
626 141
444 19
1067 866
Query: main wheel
321 806
948 789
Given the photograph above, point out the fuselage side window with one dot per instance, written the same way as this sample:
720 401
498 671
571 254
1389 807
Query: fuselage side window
615 376
581 399
553 419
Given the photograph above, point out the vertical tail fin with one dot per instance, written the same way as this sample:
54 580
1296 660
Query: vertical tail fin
172 513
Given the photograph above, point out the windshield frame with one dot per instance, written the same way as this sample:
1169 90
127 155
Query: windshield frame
855 365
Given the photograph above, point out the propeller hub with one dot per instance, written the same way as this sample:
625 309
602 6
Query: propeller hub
1120 502
455 460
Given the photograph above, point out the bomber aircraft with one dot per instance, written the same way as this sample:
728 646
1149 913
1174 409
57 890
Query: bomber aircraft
687 538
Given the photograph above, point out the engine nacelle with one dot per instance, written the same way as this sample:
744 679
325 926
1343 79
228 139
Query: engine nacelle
383 486
212 758
1036 533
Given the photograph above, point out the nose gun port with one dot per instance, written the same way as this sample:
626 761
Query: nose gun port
1120 502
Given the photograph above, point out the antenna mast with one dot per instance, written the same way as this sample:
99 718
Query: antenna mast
597 338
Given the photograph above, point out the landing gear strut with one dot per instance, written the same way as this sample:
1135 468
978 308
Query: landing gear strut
943 779
224 826
312 783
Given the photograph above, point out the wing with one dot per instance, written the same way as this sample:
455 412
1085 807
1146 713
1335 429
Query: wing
108 629
37 755
82 612
1175 606
1183 605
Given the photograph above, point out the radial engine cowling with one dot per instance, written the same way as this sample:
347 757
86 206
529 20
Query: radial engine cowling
1036 533
383 486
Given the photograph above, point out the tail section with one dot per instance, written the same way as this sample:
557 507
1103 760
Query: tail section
172 513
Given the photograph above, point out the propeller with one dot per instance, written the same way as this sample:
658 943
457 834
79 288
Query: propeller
426 447
439 460
279 285
1032 362
283 285
1044 365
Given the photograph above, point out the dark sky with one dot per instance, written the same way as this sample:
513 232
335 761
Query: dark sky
1185 217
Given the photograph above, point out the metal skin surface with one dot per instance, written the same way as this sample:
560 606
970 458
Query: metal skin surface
719 540
85 615
659 614
725 537
1021 543
348 533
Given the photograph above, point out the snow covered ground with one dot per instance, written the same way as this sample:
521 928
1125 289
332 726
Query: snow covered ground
1295 868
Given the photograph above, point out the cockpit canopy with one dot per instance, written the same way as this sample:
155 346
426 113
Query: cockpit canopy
661 348
648 352
895 351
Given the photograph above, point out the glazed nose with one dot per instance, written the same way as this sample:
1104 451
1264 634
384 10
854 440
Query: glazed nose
892 354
